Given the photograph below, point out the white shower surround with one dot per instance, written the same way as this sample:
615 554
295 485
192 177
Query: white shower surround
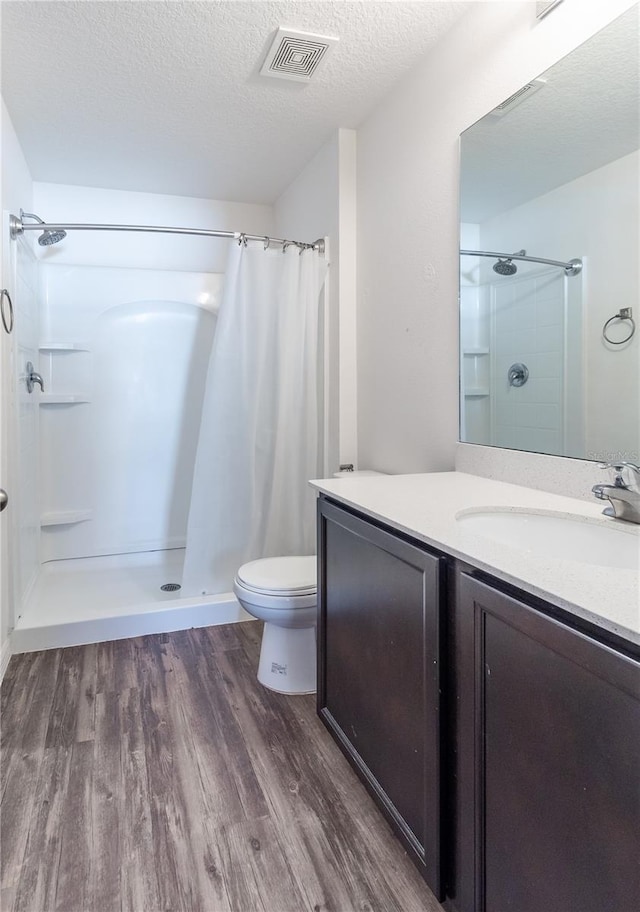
124 354
534 317
167 268
129 349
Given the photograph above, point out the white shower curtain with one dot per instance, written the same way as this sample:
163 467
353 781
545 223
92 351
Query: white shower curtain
259 436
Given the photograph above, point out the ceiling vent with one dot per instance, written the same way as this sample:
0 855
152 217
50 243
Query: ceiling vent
296 55
518 97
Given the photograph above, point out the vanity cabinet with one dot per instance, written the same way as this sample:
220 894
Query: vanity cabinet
379 671
499 735
547 762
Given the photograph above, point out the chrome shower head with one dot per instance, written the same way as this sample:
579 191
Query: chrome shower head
505 267
47 238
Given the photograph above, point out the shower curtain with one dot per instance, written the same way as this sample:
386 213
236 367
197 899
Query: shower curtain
259 438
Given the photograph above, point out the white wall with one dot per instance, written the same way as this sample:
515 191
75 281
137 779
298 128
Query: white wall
320 202
66 203
408 221
596 217
16 191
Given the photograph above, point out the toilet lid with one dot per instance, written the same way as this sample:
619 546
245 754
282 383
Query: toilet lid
280 575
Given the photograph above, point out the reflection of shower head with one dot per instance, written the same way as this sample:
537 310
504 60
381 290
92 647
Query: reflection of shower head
47 238
505 267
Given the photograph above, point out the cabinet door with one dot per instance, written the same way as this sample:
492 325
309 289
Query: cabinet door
379 660
550 723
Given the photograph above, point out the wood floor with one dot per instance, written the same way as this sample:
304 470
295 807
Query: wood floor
157 775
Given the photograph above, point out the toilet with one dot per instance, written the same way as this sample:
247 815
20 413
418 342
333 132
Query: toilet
282 592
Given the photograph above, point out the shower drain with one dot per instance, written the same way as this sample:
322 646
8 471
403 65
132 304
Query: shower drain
170 587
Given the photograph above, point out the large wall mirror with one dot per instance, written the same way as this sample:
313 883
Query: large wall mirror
549 265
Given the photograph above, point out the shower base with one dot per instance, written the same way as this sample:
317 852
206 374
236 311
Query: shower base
93 599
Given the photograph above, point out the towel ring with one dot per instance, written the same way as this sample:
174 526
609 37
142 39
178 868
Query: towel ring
8 326
623 314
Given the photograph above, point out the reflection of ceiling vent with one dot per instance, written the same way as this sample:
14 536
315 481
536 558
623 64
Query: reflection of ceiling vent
518 97
296 55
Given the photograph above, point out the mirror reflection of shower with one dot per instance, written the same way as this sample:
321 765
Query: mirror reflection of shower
505 265
529 319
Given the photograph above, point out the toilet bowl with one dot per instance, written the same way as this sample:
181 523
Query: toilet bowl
281 591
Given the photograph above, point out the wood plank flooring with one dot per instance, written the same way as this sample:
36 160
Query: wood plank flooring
157 775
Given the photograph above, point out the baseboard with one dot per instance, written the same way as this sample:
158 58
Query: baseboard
5 654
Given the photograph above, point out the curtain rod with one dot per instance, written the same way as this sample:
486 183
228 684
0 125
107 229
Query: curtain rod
18 227
573 267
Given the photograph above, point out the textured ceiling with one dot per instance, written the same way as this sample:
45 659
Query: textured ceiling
587 114
166 97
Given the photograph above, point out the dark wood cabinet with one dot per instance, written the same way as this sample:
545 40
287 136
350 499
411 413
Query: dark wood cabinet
499 735
547 737
379 671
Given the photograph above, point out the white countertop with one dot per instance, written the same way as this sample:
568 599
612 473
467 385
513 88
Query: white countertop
425 507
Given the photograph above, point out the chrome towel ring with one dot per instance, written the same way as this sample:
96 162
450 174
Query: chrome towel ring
8 324
625 313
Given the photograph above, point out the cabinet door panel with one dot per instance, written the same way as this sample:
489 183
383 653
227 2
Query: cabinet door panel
557 731
379 658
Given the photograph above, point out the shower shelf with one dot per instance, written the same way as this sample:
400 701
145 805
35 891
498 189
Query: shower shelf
53 399
476 392
63 346
65 517
475 351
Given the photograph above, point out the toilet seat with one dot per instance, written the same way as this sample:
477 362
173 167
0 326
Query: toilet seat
277 601
278 577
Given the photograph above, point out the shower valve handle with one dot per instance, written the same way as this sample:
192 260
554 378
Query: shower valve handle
33 377
518 374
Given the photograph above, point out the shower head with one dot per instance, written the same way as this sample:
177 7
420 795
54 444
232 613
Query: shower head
505 267
47 238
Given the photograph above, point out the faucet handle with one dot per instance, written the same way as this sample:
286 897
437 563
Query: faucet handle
618 468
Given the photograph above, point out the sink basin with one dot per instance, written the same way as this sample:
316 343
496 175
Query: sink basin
558 536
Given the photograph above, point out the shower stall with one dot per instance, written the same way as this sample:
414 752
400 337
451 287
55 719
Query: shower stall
107 447
521 360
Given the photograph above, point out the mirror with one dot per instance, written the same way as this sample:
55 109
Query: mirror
549 265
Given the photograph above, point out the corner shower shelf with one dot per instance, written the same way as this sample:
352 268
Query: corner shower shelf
53 399
476 392
475 351
65 517
63 346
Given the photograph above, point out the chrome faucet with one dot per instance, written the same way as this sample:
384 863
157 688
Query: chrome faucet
33 377
624 500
